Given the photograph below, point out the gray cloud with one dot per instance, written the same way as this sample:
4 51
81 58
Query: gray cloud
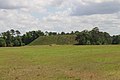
9 4
96 13
96 8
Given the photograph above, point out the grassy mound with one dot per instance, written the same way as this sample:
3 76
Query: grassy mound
59 40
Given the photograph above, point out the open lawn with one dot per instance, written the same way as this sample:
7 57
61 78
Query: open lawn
60 63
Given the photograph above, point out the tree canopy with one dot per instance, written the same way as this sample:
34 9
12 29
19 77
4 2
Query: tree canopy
13 37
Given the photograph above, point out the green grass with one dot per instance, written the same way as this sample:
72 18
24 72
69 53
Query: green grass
59 40
60 63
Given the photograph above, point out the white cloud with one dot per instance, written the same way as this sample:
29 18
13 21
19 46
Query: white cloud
17 20
60 15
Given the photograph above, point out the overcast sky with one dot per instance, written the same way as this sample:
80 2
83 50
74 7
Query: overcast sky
60 15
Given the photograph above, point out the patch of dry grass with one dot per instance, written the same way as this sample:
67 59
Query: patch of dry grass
60 63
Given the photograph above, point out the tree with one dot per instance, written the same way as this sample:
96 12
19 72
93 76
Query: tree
52 33
77 32
18 32
62 33
9 39
2 42
95 34
72 32
94 37
46 33
83 38
96 29
108 38
12 32
16 43
116 39
40 33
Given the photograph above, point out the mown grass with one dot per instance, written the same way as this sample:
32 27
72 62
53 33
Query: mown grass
60 63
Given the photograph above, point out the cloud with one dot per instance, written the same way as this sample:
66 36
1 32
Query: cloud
108 7
12 19
60 15
10 4
106 22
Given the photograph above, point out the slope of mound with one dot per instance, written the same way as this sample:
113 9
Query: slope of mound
59 40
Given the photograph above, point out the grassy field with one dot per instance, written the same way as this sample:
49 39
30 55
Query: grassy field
60 63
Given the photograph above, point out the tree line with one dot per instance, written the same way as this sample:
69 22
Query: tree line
96 37
13 37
